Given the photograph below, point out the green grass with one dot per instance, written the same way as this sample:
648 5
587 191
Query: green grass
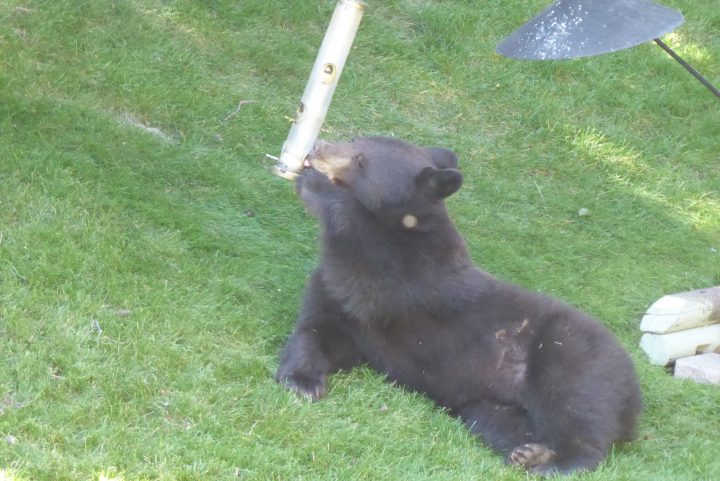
151 265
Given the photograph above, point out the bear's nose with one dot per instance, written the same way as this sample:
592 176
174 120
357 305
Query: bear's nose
315 152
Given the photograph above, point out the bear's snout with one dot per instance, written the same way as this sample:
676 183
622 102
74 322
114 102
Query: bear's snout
325 159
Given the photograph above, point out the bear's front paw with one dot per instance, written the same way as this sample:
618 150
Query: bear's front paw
532 456
311 387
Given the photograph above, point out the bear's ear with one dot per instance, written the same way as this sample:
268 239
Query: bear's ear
439 183
442 158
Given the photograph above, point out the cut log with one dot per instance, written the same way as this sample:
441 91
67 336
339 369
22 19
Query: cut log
684 310
704 368
662 349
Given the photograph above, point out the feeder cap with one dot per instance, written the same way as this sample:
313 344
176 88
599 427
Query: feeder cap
581 28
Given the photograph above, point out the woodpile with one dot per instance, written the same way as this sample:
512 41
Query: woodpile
684 329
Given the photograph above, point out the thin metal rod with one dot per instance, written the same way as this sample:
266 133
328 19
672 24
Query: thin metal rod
688 67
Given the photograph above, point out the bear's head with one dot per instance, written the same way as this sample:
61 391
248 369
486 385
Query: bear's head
380 179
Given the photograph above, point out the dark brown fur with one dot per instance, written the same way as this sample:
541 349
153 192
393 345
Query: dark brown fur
539 381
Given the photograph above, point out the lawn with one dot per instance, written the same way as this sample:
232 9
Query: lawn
151 265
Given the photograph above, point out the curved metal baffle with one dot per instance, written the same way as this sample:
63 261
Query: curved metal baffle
581 28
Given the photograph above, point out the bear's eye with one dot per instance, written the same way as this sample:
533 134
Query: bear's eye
359 161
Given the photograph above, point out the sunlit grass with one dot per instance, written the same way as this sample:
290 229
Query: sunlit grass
8 475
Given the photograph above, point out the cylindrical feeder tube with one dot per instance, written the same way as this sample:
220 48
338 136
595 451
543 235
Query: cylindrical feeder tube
320 87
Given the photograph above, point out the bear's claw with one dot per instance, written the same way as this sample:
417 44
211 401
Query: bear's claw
309 388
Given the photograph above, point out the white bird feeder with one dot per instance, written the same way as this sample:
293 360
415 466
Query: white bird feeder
320 87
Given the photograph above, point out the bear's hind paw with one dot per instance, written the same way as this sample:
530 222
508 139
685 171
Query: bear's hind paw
532 455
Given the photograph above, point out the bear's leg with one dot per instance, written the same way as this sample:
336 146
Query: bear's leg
570 433
509 430
319 345
502 426
303 366
576 395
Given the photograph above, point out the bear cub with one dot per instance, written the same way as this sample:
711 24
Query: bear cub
538 380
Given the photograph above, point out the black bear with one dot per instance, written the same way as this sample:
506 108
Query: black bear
539 381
